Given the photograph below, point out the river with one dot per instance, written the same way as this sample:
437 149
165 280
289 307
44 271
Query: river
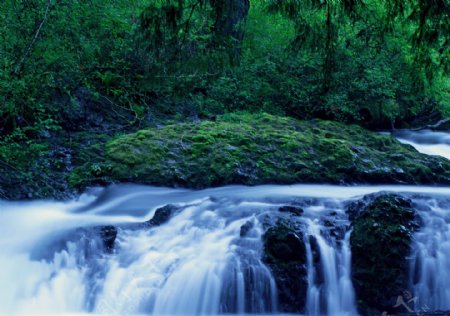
53 260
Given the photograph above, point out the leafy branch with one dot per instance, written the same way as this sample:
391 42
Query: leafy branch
33 41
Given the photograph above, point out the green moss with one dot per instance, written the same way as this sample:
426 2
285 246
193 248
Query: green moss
25 169
380 244
261 148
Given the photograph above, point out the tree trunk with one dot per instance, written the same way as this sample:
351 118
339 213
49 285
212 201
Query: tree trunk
329 51
228 26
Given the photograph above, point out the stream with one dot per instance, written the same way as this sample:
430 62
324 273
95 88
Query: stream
54 259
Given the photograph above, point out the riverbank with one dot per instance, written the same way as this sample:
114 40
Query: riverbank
238 148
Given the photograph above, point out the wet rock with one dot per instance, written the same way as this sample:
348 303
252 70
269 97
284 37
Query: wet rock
355 208
108 235
315 252
327 222
380 243
315 249
298 211
163 214
285 254
246 228
339 232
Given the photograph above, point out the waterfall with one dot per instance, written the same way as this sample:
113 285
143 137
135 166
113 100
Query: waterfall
430 260
202 260
426 141
196 264
181 268
330 290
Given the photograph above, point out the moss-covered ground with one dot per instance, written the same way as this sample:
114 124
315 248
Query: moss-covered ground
260 148
237 148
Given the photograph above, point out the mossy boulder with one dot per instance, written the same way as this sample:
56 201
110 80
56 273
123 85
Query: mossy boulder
380 243
285 254
254 149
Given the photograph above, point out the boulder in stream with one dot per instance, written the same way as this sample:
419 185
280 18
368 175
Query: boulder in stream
163 215
380 243
285 254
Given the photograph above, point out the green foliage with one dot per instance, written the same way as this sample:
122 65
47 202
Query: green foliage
79 44
370 62
74 69
373 55
20 160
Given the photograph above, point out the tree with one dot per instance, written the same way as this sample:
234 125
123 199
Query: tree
411 36
185 28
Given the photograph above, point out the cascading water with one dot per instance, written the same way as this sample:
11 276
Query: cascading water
330 290
197 263
430 259
200 262
182 267
430 264
208 258
426 141
179 268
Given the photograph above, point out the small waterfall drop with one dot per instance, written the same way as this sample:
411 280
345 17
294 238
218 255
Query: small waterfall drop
426 141
430 258
430 262
199 263
330 289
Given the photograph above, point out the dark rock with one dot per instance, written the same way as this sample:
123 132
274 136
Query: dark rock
315 249
327 222
287 247
246 228
163 214
339 232
315 252
285 254
355 208
380 243
108 235
291 209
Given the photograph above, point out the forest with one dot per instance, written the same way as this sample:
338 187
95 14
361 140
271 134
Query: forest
84 71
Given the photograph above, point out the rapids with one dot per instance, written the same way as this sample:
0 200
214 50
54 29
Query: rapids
53 260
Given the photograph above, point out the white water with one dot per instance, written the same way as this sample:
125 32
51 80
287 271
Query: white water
198 263
336 288
426 141
430 260
430 264
195 264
